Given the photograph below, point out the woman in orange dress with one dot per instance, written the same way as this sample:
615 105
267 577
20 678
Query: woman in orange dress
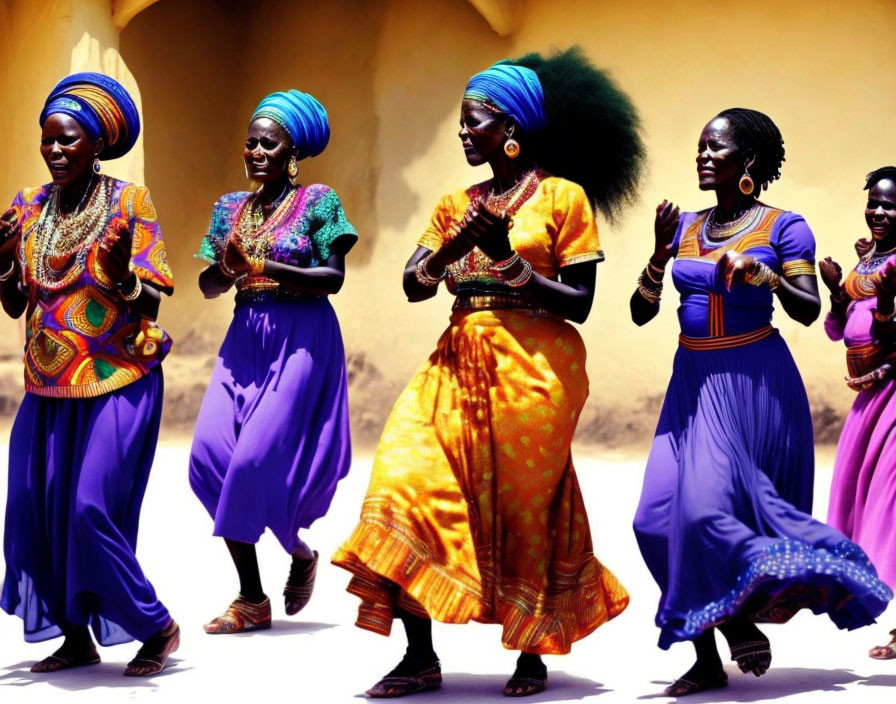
473 510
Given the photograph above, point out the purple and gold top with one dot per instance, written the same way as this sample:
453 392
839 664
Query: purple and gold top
82 339
305 237
780 239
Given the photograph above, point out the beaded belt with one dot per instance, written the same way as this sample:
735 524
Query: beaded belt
495 301
724 342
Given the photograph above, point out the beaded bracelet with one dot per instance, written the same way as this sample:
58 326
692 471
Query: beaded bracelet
883 318
523 278
651 295
506 264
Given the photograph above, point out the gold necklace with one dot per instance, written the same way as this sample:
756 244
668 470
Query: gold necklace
508 202
255 235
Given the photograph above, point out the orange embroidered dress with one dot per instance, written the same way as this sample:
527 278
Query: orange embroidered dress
473 509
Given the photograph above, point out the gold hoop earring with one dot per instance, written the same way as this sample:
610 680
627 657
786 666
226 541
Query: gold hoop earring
746 184
512 148
292 170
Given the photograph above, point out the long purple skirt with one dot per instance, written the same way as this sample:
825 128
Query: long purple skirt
723 522
272 438
863 491
77 474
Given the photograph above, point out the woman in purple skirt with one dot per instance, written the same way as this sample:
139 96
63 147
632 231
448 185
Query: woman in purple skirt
272 437
83 258
863 492
724 519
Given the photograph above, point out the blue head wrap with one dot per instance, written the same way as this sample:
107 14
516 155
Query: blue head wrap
301 115
101 106
515 90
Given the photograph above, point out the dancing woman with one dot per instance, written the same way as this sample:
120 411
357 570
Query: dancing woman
863 493
272 437
724 519
473 510
83 258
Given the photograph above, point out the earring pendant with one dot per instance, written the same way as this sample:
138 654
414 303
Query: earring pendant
746 184
512 148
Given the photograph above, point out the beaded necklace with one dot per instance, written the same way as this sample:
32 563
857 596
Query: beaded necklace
510 200
256 237
60 243
713 231
862 281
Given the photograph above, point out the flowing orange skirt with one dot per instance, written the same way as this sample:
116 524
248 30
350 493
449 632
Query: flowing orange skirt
473 509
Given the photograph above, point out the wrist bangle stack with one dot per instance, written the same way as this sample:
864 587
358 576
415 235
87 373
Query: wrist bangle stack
423 276
764 276
9 272
506 264
134 293
651 294
524 276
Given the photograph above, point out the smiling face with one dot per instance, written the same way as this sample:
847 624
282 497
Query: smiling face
66 149
267 150
720 162
482 132
880 211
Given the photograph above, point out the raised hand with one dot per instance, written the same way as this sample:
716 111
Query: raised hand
114 253
234 261
863 245
886 287
489 231
736 268
831 275
664 227
10 233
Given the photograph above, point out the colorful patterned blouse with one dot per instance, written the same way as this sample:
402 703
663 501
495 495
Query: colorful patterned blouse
552 229
82 340
304 239
782 240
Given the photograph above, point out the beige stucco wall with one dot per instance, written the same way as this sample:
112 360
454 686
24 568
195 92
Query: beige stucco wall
391 73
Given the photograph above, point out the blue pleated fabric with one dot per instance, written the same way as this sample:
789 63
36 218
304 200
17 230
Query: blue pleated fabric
724 520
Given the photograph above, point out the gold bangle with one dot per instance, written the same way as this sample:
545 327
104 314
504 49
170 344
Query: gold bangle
652 295
135 292
423 276
659 281
763 277
7 274
523 277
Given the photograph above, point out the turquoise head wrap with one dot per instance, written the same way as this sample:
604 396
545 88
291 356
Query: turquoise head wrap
301 115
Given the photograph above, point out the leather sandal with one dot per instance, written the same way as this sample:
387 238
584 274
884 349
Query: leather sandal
407 679
683 686
57 662
884 652
153 654
241 616
299 584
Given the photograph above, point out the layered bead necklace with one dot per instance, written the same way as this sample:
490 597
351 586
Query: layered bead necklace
862 281
254 234
509 201
715 232
59 243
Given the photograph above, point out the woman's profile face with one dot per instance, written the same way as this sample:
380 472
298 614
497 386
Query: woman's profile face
267 150
482 132
720 160
880 211
66 149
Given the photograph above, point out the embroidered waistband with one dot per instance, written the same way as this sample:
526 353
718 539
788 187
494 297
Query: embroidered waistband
724 342
864 359
495 301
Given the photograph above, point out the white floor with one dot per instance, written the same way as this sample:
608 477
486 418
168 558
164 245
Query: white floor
321 657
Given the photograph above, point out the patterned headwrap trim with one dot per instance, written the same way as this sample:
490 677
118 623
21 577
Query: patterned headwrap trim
513 89
301 115
102 107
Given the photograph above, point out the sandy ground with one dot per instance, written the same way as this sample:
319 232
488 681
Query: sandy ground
321 657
